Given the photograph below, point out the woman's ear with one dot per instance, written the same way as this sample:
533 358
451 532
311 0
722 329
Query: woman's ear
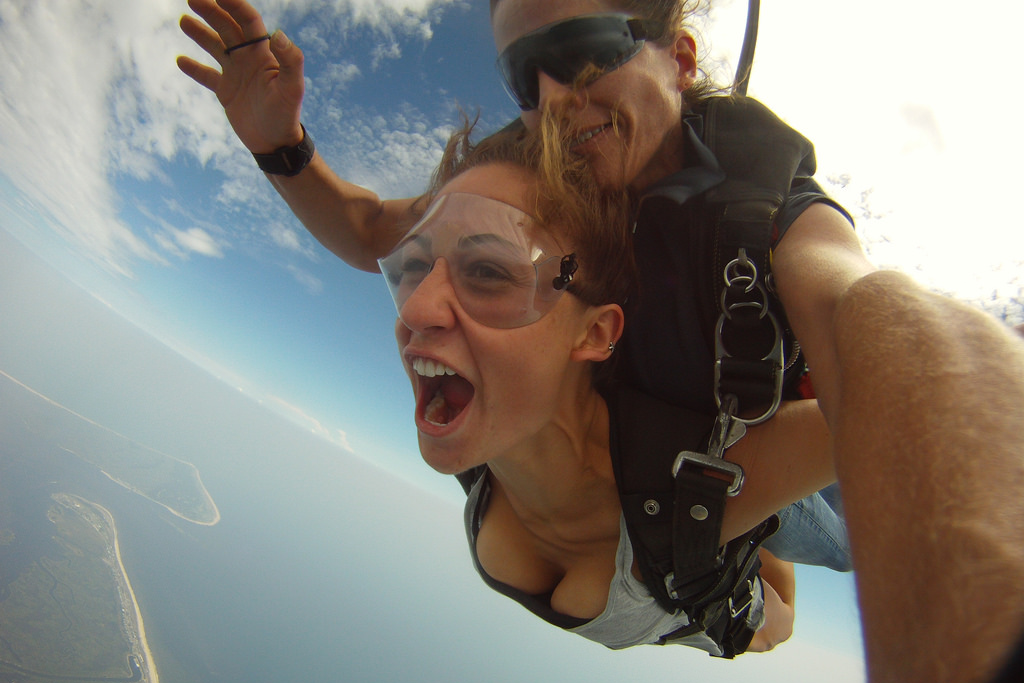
684 49
604 327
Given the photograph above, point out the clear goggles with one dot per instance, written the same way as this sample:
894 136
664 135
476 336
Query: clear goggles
565 48
504 271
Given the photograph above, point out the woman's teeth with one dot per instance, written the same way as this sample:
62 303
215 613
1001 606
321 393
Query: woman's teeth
583 137
426 367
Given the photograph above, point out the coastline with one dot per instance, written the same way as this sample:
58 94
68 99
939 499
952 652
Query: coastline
211 506
216 511
135 629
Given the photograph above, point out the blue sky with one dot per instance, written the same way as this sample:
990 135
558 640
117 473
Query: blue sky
154 207
122 174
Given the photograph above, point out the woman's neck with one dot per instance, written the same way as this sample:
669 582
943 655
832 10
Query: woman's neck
552 523
563 477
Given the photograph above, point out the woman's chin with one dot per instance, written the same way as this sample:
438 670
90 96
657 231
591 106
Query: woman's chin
445 449
442 461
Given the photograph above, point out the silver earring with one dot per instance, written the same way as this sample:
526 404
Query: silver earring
611 347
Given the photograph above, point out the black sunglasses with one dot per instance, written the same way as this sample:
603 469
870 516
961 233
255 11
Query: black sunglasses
565 48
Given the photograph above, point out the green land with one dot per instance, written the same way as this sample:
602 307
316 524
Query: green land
70 615
67 610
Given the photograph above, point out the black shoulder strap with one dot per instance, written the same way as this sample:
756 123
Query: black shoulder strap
647 436
761 156
760 153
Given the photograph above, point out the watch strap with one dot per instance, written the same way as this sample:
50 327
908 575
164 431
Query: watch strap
287 161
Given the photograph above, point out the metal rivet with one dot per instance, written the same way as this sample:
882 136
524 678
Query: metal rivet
652 507
699 513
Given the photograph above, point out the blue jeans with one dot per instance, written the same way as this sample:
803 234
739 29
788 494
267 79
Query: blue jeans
813 531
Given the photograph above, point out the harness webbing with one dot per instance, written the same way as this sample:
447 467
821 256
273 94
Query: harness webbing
686 566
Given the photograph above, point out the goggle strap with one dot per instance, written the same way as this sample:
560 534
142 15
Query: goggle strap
567 269
638 28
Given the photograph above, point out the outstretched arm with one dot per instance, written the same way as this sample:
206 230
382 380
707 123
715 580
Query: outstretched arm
925 398
260 87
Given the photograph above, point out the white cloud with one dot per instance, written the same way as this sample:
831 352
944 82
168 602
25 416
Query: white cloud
54 142
389 50
924 130
387 14
199 241
393 155
907 102
311 283
90 91
286 237
303 419
337 75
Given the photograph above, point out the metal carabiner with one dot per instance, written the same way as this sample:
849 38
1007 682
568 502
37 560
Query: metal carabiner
776 356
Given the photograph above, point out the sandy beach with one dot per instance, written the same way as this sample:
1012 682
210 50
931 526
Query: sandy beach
133 624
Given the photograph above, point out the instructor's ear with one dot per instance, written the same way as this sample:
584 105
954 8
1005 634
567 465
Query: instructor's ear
684 50
604 327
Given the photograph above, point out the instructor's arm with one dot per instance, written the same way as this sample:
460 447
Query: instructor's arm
260 87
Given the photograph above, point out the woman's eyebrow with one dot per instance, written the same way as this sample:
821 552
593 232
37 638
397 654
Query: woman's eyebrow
419 239
485 239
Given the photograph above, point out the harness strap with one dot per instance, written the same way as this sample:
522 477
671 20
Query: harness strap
696 526
720 610
646 438
749 356
761 156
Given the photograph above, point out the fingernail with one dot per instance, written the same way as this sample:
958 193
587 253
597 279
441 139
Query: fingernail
280 40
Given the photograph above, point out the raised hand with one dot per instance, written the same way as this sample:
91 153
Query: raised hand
259 84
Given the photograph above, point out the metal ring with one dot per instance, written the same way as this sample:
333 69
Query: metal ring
727 307
732 272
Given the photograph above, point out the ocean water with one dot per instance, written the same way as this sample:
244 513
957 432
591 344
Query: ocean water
280 589
298 580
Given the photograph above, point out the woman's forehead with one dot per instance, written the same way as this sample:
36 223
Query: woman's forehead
512 185
514 18
505 182
459 224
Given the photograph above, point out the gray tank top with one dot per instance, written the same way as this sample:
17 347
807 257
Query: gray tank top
631 616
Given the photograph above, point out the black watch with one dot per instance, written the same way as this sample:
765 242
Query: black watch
287 161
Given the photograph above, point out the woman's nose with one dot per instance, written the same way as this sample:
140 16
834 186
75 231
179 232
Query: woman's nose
429 306
550 91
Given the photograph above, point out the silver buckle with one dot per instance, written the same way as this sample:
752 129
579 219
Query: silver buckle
747 602
727 431
709 462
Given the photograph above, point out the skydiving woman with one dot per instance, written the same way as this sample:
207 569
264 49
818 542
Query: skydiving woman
503 345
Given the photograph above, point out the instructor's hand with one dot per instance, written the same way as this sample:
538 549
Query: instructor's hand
259 85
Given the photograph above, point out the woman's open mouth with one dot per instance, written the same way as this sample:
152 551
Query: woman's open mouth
442 394
584 137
